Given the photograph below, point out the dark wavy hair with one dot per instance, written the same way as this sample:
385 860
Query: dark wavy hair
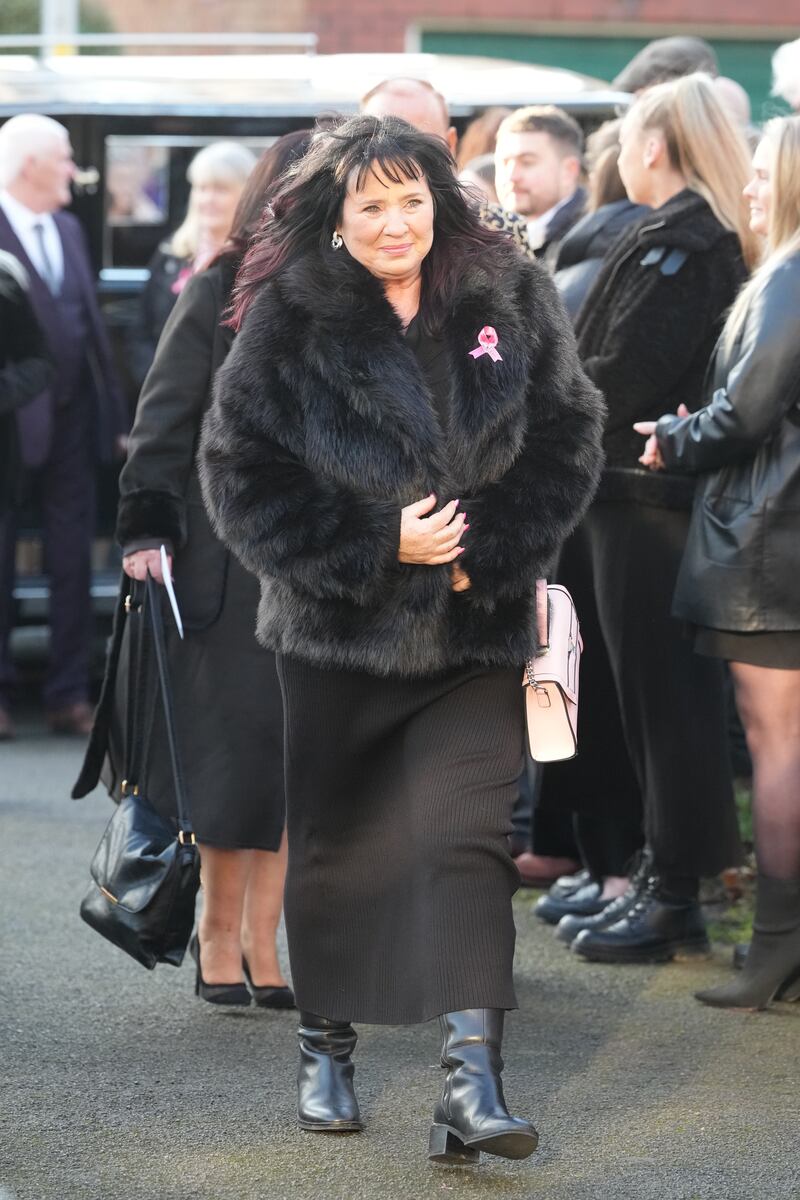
307 205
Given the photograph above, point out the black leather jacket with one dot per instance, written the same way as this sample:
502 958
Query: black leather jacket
741 567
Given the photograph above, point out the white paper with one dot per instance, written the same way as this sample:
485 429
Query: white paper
165 571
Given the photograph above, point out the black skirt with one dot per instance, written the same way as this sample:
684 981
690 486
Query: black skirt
769 648
399 797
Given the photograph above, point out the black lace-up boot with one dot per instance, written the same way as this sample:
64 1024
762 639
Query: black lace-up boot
570 926
326 1098
660 925
472 1115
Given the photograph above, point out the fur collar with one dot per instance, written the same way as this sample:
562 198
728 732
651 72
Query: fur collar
328 330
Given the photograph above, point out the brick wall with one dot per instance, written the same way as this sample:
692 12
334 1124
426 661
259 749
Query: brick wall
375 25
207 16
371 25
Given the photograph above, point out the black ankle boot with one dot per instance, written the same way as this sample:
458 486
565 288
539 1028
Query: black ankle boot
570 926
656 928
472 1115
326 1099
772 967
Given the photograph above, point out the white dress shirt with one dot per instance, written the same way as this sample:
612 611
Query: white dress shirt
22 220
537 228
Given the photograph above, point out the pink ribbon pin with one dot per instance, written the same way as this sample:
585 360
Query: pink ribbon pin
487 341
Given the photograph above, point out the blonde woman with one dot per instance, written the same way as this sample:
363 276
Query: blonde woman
738 579
217 175
645 333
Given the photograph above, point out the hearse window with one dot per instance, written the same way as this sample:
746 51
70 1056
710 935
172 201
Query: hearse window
146 192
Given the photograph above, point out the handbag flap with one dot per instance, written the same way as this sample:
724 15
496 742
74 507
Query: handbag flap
135 854
559 660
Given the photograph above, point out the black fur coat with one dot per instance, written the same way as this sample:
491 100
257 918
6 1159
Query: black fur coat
323 428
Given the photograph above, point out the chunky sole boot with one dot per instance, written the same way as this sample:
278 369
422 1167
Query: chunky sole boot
772 968
569 927
326 1099
472 1115
656 929
584 902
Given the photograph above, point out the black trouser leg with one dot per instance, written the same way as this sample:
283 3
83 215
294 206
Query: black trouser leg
599 786
672 701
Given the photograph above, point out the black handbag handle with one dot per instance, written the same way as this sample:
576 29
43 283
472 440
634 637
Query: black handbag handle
136 716
185 830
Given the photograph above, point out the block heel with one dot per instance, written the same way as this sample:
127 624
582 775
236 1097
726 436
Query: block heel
445 1147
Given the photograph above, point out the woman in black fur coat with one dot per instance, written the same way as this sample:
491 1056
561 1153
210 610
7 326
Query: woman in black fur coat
401 439
645 334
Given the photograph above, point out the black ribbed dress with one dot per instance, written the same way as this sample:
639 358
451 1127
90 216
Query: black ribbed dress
399 795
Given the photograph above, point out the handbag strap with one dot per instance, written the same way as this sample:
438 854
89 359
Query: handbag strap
542 615
136 717
186 834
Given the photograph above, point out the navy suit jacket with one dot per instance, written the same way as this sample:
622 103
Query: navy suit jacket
35 420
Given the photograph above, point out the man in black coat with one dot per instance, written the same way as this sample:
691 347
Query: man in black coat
79 418
539 159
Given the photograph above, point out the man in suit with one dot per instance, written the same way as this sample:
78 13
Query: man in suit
69 426
538 164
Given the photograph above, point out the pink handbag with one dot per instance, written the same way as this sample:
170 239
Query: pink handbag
551 677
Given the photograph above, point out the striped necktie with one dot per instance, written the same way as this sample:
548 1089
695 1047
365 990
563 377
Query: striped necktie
47 270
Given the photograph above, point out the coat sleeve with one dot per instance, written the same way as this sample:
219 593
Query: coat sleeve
161 447
762 387
276 515
518 524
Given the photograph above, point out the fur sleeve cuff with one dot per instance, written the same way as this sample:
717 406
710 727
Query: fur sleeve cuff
151 514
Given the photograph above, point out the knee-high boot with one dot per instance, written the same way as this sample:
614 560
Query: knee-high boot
772 968
325 1094
472 1115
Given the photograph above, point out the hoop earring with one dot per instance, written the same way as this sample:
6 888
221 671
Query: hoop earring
337 241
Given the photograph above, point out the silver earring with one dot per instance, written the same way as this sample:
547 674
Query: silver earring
336 240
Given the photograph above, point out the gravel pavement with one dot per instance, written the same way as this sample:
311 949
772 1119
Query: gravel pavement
117 1084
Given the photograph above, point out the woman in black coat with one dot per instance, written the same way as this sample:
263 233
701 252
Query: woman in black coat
227 698
738 582
25 367
645 334
401 438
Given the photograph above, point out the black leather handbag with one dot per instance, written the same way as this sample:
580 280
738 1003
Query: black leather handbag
146 871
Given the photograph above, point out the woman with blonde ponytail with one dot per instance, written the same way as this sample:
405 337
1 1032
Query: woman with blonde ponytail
738 582
645 333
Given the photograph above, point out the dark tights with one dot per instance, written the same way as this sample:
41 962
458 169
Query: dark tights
768 700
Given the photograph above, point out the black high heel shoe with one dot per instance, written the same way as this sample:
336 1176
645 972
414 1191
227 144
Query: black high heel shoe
771 970
268 997
234 995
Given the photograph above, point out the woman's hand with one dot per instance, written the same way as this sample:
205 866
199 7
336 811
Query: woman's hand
461 580
429 541
136 565
652 455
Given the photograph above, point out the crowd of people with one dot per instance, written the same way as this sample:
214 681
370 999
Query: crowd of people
389 379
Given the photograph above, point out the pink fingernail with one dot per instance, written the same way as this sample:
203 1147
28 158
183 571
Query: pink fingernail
466 526
457 503
461 549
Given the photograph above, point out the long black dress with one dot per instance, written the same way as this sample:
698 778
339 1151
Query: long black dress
399 798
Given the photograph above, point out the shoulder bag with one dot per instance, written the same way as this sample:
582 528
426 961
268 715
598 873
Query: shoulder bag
551 677
146 871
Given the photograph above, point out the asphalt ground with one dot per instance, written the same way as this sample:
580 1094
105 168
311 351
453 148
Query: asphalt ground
117 1084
